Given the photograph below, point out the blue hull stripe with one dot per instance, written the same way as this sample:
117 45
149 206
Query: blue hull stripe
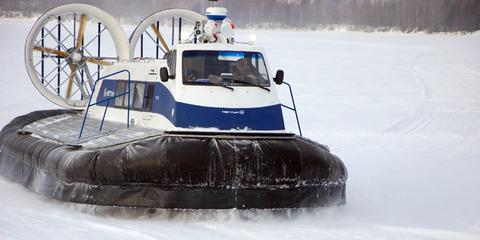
265 118
185 115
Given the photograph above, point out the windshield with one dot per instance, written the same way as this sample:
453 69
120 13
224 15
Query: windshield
227 68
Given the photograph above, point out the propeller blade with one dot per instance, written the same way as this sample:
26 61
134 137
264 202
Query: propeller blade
51 51
81 30
160 37
98 61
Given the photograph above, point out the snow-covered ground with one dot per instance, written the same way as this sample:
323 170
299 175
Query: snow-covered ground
401 110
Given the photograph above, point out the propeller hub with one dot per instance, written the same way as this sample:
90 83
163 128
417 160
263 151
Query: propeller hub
76 57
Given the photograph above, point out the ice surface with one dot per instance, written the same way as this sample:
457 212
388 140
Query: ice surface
401 110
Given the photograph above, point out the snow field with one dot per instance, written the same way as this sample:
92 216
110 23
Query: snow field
401 110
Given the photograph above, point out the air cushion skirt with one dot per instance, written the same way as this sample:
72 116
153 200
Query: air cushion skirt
182 170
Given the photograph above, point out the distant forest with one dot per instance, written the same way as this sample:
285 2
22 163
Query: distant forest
366 15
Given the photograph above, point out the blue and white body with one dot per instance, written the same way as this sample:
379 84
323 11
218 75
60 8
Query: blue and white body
205 91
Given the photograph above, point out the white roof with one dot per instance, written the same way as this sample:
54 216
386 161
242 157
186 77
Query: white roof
219 47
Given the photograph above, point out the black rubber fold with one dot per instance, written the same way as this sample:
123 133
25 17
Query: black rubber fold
176 170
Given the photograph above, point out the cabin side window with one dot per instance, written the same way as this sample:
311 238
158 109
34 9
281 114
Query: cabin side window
149 97
141 96
120 89
138 96
171 61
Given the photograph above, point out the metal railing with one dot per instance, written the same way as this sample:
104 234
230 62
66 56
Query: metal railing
90 104
294 108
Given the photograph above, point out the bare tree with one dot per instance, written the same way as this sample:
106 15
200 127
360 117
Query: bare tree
404 15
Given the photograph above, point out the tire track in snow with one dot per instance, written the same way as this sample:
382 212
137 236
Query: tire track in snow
455 115
439 121
420 78
412 120
434 234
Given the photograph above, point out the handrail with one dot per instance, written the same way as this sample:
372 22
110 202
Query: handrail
294 109
107 100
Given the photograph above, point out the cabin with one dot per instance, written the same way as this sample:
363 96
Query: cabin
201 89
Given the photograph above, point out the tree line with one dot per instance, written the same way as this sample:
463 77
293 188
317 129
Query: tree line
402 15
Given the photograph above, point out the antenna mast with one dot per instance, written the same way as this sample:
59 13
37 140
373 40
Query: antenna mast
211 2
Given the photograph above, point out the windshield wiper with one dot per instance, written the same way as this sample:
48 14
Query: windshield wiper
251 84
221 85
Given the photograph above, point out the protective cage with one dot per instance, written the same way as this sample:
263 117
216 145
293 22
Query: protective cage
159 32
67 48
216 171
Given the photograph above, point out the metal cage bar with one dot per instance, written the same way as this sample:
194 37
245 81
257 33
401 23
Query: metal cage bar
157 50
82 72
99 44
173 31
59 49
42 67
90 104
179 30
141 46
294 108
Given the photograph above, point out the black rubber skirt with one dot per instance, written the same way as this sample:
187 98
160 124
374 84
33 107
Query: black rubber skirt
176 170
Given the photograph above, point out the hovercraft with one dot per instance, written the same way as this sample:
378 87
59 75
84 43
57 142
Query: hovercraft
195 123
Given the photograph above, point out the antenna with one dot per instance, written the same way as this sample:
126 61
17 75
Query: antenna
211 2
